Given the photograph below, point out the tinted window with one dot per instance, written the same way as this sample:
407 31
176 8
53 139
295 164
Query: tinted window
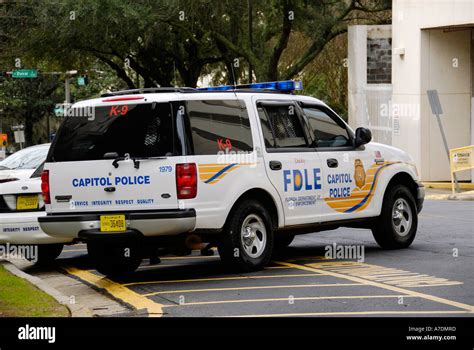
328 129
217 125
281 126
141 130
28 158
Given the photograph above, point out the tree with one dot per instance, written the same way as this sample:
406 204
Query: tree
167 42
27 101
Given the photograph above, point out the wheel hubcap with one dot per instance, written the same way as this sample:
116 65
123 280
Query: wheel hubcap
254 236
401 217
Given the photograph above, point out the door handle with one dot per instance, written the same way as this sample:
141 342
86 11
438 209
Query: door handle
109 189
275 165
332 163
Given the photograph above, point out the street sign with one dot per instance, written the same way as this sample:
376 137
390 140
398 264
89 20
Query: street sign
437 111
19 136
25 73
434 102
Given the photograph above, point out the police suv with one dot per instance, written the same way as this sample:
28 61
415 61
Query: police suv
243 168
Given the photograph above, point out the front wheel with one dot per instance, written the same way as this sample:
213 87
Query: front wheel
396 226
247 240
115 258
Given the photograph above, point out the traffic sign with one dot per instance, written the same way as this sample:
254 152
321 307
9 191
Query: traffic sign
25 73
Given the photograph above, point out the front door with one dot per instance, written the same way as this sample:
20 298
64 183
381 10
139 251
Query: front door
292 164
347 173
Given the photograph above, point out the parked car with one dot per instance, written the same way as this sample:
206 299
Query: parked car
21 204
21 164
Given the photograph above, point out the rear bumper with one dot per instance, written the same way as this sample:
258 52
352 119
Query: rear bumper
420 198
147 223
23 228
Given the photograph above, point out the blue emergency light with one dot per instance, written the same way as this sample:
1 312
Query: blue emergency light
284 86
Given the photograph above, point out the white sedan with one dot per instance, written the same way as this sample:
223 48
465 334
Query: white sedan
21 203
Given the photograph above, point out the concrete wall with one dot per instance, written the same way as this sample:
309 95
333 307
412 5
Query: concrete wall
425 57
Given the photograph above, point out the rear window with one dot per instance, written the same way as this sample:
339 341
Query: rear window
141 130
218 125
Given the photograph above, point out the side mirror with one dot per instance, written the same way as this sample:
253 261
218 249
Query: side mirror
362 136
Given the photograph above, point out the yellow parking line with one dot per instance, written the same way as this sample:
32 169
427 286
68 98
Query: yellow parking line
287 299
467 307
223 279
251 288
353 313
118 291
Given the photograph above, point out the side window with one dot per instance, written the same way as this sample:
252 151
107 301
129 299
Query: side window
219 125
281 126
328 129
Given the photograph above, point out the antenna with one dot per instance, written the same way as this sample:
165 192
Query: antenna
233 75
174 73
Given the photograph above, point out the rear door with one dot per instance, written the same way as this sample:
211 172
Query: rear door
119 158
291 163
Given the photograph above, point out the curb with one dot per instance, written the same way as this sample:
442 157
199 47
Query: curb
447 185
76 310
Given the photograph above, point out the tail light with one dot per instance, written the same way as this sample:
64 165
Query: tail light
45 186
186 180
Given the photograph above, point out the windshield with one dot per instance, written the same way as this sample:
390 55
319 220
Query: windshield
140 130
28 158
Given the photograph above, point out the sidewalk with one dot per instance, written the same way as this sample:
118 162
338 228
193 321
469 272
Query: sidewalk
446 194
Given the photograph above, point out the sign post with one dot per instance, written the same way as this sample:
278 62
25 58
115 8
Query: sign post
437 111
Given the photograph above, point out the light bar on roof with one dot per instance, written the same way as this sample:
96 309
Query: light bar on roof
286 85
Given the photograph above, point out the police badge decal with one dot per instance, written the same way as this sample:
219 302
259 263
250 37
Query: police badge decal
359 173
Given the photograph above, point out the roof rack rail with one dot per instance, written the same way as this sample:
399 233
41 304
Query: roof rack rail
152 90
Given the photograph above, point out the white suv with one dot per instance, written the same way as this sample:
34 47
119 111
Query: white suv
243 168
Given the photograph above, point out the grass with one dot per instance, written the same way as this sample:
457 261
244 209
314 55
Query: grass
19 298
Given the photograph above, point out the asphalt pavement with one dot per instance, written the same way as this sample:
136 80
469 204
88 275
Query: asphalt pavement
434 277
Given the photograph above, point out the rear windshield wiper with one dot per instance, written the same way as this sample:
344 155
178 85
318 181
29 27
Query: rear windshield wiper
136 160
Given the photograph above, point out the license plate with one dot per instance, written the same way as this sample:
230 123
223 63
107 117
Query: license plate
112 223
27 202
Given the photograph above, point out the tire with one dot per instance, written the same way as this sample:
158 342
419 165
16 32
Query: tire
247 241
47 254
283 240
115 258
396 226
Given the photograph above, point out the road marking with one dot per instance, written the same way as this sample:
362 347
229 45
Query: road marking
388 275
223 279
392 288
287 299
251 288
118 291
353 313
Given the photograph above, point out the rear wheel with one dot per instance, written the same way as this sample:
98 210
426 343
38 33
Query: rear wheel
47 254
397 224
115 258
247 240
